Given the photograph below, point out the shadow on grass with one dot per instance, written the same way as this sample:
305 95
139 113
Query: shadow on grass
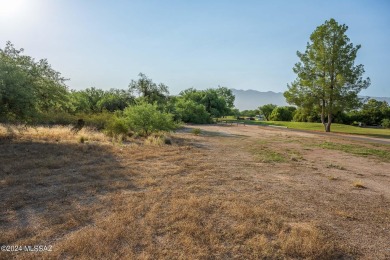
220 134
211 133
54 186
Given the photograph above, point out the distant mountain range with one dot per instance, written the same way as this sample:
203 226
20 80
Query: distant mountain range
252 99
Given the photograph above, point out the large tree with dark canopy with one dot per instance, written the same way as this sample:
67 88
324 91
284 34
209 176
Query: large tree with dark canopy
328 81
28 87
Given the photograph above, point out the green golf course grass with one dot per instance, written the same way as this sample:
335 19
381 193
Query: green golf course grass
336 128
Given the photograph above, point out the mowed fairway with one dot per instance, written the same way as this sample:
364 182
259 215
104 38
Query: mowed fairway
233 192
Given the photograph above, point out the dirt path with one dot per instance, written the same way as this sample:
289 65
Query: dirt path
311 184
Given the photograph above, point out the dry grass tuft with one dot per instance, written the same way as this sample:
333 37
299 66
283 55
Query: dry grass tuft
158 139
335 166
196 131
359 184
306 242
155 140
345 215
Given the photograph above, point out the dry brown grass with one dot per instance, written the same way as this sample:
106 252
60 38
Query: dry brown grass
50 134
203 197
359 184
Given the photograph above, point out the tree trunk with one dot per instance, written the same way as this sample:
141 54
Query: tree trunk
323 114
327 127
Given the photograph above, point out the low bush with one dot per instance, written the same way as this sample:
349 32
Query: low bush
386 123
196 131
282 114
98 120
55 118
117 128
145 119
191 112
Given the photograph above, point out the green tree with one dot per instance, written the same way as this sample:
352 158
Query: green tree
282 114
150 91
115 99
328 81
87 100
266 110
386 123
93 100
217 102
249 113
28 87
145 118
191 112
227 94
303 115
374 111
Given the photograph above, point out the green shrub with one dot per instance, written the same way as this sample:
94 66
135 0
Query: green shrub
386 123
145 119
55 118
196 131
191 112
116 127
282 114
98 120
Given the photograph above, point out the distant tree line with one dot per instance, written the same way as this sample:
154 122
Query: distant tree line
33 92
371 112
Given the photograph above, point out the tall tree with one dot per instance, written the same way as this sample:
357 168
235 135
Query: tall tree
227 94
328 81
266 110
28 87
217 102
150 91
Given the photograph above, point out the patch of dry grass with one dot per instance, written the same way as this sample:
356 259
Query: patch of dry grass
174 226
97 200
50 134
359 184
335 166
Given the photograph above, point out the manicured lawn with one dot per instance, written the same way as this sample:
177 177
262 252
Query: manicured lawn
336 128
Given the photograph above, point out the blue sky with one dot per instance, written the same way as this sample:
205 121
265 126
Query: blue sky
201 44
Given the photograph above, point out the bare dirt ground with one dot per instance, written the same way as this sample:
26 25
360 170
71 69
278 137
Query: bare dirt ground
233 192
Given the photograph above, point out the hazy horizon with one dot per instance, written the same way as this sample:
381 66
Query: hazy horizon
246 45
